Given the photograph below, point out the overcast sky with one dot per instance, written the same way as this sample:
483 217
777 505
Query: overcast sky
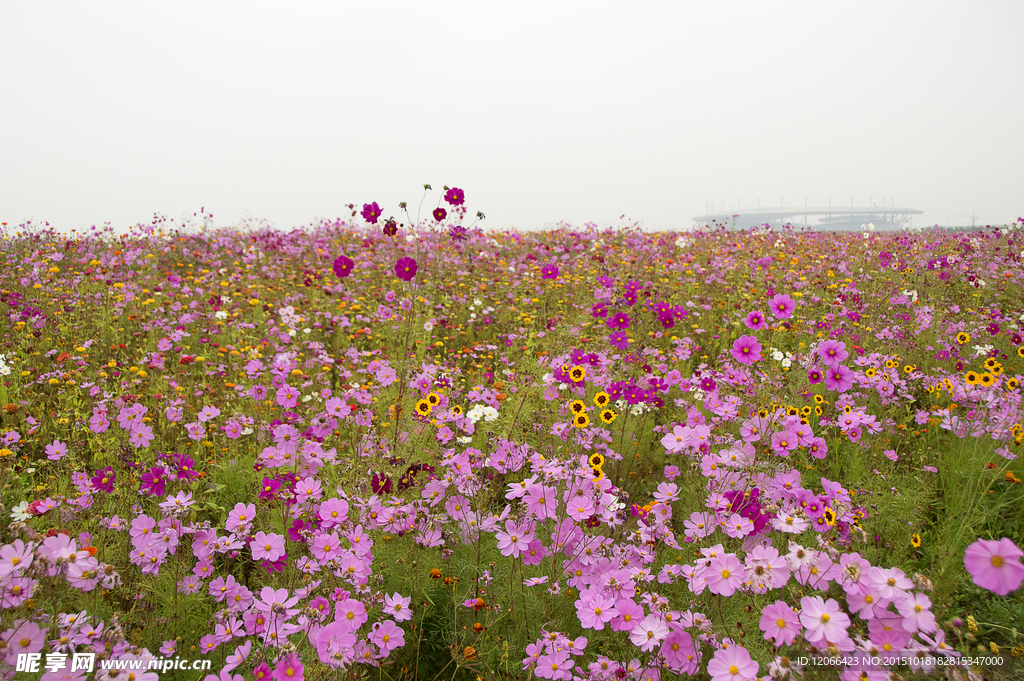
542 112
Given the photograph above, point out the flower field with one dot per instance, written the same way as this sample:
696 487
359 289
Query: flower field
365 450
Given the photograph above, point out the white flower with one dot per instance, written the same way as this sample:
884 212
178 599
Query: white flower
307 330
221 314
477 302
19 512
428 326
490 414
291 332
476 413
980 350
464 439
787 362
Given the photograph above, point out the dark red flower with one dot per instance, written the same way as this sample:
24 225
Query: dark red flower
390 228
440 214
343 266
380 484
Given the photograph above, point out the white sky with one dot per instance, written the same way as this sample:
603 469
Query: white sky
541 112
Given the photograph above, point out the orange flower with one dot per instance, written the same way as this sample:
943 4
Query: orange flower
435 574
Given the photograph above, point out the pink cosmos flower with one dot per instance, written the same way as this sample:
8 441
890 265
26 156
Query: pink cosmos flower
594 610
746 350
724 574
917 614
823 619
56 451
333 512
782 306
839 378
832 352
732 664
287 396
398 607
680 653
289 668
515 539
649 634
387 636
326 547
549 272
15 557
995 565
240 517
267 546
780 623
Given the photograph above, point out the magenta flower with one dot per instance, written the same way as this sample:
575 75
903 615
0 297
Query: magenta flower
370 212
746 350
782 306
596 610
455 196
549 272
619 340
153 481
619 320
732 664
839 378
814 376
343 266
405 268
104 480
440 214
755 321
995 565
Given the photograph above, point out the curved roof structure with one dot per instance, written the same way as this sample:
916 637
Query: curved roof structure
830 219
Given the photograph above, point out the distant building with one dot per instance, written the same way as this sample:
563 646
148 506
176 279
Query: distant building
824 219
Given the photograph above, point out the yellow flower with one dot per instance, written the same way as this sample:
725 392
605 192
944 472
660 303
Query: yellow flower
972 378
577 407
602 398
423 407
962 338
581 421
596 460
915 540
434 399
608 415
577 373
